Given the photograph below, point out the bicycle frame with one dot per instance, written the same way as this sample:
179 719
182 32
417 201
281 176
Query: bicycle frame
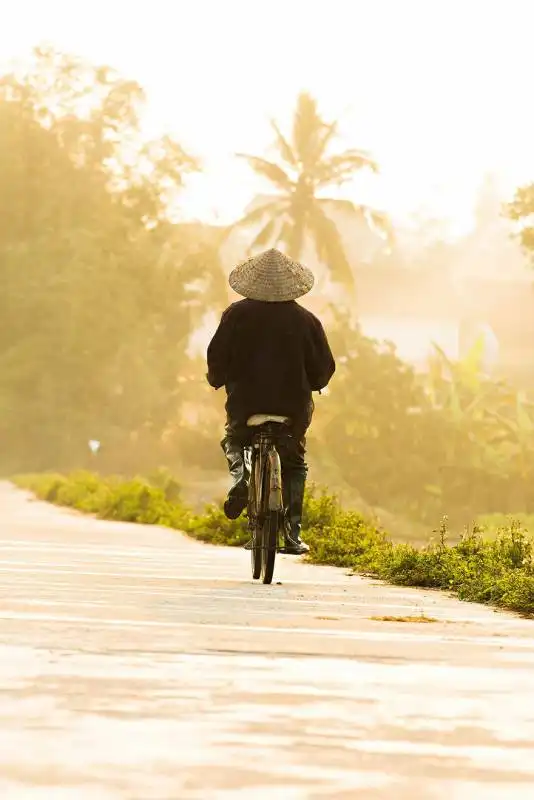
262 449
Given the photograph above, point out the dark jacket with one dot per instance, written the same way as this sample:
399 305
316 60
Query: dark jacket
270 357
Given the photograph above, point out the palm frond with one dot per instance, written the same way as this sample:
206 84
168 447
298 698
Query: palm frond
283 146
324 139
269 170
342 166
361 157
329 246
380 222
308 128
377 221
338 204
272 207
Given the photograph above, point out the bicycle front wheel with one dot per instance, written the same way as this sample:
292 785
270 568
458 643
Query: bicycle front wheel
269 544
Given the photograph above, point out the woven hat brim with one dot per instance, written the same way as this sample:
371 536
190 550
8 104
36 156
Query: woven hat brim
275 279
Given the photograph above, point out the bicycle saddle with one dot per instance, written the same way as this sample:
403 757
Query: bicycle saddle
262 419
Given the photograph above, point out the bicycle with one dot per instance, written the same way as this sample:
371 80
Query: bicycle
265 506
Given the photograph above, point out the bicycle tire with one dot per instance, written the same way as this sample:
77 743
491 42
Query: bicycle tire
271 514
255 553
269 544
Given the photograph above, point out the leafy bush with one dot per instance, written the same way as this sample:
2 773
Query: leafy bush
500 572
46 486
113 498
320 510
214 527
164 479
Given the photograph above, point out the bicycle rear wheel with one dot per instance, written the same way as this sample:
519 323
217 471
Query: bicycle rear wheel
253 511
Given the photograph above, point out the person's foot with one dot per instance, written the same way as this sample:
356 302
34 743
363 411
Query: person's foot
235 504
295 547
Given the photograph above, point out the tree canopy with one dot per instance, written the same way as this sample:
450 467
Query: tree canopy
100 292
300 207
521 209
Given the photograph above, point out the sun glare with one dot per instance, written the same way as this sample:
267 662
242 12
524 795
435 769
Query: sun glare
437 92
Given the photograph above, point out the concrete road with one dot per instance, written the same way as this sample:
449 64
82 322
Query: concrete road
137 664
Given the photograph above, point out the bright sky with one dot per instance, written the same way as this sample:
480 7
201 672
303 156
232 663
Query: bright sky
439 90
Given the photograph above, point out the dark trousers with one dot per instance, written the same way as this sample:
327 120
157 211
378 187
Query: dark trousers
292 450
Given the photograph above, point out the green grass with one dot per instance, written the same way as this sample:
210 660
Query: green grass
498 570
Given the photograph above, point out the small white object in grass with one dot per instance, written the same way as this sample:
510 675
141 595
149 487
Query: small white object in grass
94 445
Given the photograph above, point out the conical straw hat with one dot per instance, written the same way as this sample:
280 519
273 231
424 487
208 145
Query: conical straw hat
272 277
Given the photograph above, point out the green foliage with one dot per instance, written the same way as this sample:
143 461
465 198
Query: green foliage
499 572
113 498
100 292
163 479
522 210
450 442
349 540
320 508
135 501
214 527
46 486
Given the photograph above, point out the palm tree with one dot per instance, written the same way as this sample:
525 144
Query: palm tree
298 207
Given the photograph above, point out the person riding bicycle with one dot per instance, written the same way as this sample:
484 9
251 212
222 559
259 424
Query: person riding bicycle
270 353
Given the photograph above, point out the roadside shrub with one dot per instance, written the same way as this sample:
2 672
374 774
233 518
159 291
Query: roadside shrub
320 510
45 486
163 479
215 528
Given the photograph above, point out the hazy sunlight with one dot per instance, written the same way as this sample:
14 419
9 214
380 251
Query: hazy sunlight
437 90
